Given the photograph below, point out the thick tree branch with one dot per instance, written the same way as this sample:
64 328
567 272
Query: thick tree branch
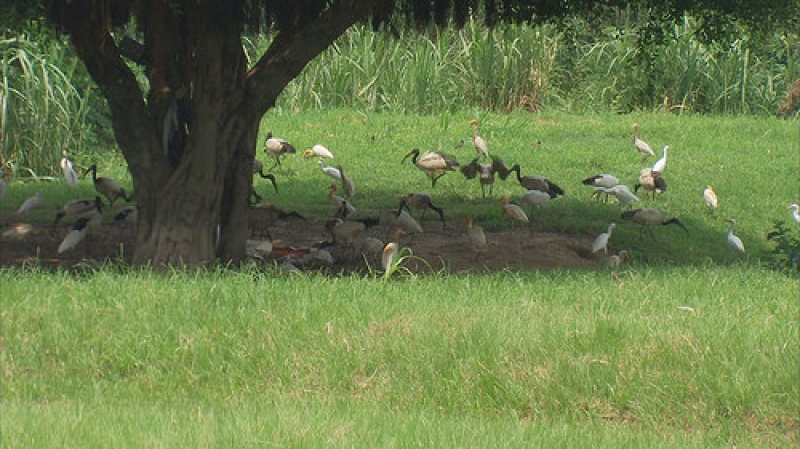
292 50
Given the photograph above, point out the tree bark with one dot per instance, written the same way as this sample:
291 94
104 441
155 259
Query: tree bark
195 210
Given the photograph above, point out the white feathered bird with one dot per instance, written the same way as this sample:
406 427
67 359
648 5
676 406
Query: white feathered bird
601 241
70 175
733 240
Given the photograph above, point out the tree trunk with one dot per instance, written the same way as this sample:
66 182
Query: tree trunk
192 208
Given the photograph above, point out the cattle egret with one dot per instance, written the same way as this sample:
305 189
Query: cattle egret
317 151
601 241
661 164
480 144
710 197
795 212
641 146
513 212
733 240
69 171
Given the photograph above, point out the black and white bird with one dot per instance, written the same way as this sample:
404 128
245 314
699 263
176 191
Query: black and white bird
433 163
78 208
108 187
534 182
275 147
82 227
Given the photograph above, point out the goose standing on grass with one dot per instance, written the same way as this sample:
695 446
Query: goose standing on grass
661 164
795 213
733 240
29 205
478 142
108 187
317 150
641 146
710 197
433 163
652 182
647 217
514 213
276 147
70 175
601 241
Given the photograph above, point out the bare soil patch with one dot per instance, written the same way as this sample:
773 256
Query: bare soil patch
433 250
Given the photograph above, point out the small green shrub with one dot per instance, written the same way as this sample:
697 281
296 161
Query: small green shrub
786 247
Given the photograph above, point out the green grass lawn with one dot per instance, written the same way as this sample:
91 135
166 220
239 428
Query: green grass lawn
687 346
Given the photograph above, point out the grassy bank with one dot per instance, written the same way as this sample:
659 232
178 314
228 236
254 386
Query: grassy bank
666 357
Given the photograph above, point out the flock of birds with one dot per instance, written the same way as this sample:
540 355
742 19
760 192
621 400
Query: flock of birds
87 213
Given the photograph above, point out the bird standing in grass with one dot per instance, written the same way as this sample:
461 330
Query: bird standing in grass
641 146
710 197
661 164
485 172
69 171
29 205
795 213
258 169
108 187
534 182
601 241
478 142
275 147
317 150
332 172
733 240
433 163
647 217
601 180
514 213
77 208
476 237
652 182
536 198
